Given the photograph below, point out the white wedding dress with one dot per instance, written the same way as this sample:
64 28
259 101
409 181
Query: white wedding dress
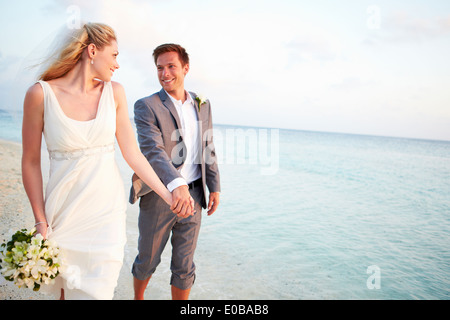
85 201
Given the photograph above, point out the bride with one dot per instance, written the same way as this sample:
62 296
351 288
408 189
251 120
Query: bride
80 112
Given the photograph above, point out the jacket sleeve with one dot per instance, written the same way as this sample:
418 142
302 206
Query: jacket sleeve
210 158
151 141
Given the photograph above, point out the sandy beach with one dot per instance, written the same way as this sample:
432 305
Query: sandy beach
15 211
15 214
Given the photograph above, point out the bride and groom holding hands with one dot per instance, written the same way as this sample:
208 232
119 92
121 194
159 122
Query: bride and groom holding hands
80 112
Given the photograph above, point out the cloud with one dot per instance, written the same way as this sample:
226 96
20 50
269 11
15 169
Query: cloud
403 27
6 61
275 65
308 47
13 82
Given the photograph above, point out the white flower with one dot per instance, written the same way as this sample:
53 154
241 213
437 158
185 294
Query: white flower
50 243
25 270
29 260
19 251
34 252
48 280
45 253
29 283
39 268
8 272
37 240
201 99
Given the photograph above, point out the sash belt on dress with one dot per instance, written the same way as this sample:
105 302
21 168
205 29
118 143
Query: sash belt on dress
76 154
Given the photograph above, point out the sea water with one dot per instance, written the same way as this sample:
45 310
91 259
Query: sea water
312 215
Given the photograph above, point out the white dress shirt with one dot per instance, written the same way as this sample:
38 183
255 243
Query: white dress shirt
190 171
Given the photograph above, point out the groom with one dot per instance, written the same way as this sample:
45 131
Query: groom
175 134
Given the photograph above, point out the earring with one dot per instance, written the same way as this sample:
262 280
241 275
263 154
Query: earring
92 61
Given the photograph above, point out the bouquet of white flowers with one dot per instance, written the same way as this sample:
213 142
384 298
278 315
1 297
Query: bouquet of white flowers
29 260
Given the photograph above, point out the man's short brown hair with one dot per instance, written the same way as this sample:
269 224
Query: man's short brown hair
171 47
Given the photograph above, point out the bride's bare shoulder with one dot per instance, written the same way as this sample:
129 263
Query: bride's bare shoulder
118 89
117 86
35 93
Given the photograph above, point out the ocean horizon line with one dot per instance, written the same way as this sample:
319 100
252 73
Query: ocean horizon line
15 113
334 132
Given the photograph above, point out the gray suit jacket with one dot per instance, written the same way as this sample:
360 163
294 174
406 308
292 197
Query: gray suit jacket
161 141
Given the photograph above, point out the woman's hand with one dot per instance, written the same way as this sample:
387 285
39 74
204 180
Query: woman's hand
42 229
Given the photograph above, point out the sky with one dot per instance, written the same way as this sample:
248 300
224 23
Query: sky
354 66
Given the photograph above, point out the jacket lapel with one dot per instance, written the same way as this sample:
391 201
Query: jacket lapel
169 105
201 130
194 96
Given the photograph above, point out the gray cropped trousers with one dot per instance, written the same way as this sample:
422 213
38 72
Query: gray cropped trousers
156 223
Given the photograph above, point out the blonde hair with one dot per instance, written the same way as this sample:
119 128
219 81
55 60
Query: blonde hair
72 49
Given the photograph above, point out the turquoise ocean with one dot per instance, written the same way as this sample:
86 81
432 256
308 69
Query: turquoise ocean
314 215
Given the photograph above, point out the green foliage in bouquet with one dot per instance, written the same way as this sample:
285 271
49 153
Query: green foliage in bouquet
29 260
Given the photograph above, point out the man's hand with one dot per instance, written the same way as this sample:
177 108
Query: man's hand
214 199
182 202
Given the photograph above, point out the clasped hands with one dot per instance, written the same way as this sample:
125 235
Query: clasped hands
183 203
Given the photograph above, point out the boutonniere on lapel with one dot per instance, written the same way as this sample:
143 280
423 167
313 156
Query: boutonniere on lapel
201 99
